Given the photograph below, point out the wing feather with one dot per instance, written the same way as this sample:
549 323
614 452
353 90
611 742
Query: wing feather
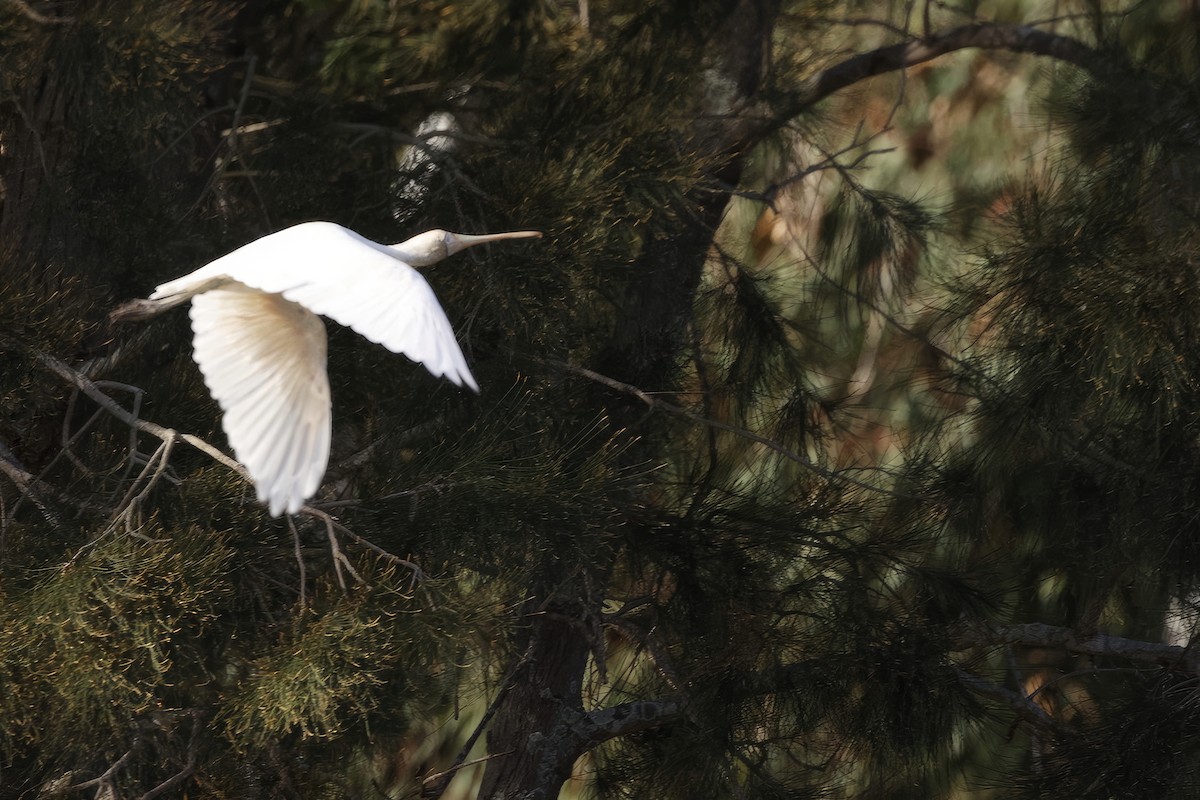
263 360
333 271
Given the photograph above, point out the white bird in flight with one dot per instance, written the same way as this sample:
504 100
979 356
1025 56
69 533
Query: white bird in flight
261 346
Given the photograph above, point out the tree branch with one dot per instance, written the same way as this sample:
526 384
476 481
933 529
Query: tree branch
169 436
441 781
983 35
189 767
1036 634
28 485
603 724
645 639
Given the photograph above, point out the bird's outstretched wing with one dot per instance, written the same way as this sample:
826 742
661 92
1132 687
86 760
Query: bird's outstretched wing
263 360
333 271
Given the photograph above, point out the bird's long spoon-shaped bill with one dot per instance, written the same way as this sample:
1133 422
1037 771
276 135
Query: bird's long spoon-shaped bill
457 242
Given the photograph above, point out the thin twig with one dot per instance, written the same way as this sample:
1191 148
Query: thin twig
1028 710
67 439
27 483
108 774
645 639
418 573
339 560
454 770
299 561
134 497
670 408
189 767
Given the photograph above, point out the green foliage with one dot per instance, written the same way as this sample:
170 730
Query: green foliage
380 46
105 639
321 676
801 476
1091 306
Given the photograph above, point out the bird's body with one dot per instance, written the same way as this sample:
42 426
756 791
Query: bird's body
261 346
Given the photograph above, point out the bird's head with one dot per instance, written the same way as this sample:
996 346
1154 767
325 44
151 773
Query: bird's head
431 247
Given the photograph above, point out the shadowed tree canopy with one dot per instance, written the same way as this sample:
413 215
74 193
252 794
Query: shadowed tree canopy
838 439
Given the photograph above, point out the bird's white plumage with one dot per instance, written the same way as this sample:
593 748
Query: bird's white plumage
262 348
361 284
263 360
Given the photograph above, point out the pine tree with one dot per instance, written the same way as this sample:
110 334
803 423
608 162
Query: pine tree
835 441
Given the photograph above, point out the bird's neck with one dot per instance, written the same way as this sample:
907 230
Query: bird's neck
414 259
421 250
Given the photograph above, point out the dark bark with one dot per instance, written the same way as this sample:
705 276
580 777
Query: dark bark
532 757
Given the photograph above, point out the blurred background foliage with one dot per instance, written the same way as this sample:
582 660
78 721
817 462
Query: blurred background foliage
855 439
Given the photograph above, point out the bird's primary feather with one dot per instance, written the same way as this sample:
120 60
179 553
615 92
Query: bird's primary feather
263 360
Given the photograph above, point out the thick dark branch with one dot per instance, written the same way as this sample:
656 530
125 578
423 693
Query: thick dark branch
984 35
1035 634
599 726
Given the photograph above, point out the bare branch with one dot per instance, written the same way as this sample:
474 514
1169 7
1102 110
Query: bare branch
984 35
109 773
339 559
28 484
168 436
333 525
646 639
131 501
189 767
299 562
104 401
1036 634
441 780
603 724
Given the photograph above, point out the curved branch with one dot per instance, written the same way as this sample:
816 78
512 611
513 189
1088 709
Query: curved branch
31 13
983 35
168 436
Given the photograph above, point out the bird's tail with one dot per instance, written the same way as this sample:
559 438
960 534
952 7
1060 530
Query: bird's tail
165 298
135 310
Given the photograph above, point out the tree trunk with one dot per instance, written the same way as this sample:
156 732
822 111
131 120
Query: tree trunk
532 754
